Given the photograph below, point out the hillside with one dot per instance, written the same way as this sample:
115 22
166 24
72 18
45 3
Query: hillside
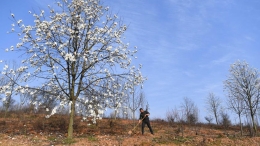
28 129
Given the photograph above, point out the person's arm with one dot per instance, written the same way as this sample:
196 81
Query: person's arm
147 114
140 118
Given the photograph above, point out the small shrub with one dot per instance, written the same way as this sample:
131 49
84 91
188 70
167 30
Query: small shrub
225 121
192 118
58 123
158 120
2 123
39 124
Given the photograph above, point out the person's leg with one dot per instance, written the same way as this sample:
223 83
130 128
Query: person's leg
143 124
149 126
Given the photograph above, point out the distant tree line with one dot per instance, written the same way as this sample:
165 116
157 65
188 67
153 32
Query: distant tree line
242 88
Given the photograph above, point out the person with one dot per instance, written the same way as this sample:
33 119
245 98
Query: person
144 118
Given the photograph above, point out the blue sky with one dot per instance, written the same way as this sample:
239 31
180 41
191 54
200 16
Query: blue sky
185 46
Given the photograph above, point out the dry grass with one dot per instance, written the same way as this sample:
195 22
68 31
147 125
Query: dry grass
36 130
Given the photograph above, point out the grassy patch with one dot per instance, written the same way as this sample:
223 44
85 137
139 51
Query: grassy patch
52 138
69 141
217 142
170 139
221 135
36 140
232 137
146 143
92 138
181 140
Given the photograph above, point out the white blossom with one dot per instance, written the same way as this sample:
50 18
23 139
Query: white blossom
70 57
7 93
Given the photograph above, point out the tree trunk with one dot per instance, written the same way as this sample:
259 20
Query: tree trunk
241 126
115 114
216 117
133 114
133 118
72 113
133 107
6 110
254 125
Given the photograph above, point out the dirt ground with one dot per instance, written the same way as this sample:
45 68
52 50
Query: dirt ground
31 130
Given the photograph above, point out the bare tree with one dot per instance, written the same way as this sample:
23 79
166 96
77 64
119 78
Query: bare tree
173 116
213 105
136 98
209 119
241 83
170 117
236 105
72 50
190 110
147 106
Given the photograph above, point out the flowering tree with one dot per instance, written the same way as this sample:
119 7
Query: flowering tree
241 84
73 50
117 96
6 98
8 84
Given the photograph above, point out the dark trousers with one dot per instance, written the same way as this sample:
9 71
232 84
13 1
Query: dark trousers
148 124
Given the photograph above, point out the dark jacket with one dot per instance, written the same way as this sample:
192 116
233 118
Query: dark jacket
143 114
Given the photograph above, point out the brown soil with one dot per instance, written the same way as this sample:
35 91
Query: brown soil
26 130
